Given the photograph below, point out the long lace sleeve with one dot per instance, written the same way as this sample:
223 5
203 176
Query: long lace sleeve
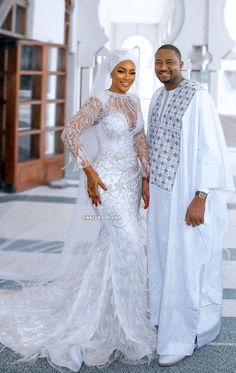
140 143
82 120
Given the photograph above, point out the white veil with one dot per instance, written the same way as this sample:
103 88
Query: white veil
26 257
103 79
29 254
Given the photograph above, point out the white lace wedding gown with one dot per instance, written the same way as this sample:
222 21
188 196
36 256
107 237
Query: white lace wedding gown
101 307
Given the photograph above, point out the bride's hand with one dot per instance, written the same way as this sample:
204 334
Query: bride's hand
93 181
145 192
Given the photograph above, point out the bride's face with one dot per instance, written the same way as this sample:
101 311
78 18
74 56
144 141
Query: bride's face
123 76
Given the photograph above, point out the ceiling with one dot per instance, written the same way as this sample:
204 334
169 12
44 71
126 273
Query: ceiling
133 11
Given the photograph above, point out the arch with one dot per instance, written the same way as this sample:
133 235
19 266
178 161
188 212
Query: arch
145 77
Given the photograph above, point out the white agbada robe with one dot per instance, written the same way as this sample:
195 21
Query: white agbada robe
185 263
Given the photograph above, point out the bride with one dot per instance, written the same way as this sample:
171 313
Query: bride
91 304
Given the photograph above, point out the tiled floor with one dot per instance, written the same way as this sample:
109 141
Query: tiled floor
40 218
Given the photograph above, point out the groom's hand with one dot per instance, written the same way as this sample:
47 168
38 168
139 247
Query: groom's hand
195 212
145 192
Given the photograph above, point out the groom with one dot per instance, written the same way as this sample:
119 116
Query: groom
189 183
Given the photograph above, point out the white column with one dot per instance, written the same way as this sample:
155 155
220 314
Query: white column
86 80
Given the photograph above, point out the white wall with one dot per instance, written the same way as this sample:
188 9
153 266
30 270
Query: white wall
47 21
90 33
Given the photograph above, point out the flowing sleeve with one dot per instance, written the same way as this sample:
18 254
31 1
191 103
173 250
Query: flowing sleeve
213 170
83 119
141 146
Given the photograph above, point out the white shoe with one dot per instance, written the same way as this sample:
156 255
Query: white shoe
76 355
169 360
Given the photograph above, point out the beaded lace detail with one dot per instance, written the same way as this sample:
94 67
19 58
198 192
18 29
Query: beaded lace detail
82 120
96 302
104 109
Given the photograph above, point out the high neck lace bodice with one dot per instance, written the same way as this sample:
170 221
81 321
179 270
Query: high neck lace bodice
121 117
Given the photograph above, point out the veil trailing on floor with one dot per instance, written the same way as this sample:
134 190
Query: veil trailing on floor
24 257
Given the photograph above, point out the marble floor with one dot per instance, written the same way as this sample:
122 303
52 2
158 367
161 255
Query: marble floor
39 218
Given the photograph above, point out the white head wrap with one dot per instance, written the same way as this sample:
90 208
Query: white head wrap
103 78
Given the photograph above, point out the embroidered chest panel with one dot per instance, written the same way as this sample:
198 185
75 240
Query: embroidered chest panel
165 134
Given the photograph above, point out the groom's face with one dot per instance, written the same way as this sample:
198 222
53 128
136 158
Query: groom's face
167 66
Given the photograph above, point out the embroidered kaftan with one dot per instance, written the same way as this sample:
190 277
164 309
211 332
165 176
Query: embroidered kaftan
187 153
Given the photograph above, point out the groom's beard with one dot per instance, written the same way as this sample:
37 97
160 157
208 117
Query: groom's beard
166 81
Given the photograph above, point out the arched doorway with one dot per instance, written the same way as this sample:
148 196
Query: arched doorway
146 81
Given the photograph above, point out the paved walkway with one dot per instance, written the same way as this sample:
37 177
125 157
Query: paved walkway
40 217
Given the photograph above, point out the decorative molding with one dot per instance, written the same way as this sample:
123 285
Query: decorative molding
199 57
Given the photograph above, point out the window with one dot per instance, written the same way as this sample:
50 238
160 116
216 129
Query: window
20 22
14 14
